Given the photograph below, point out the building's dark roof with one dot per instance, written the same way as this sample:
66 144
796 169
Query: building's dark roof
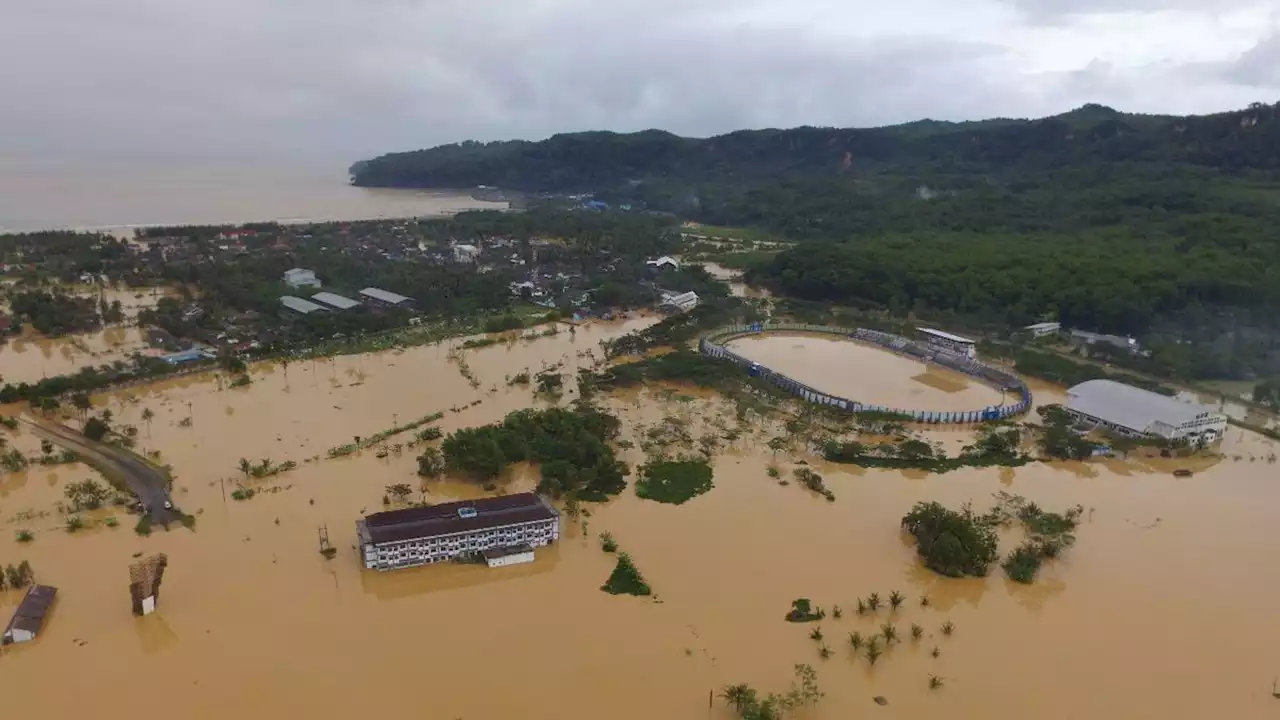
397 525
31 611
499 552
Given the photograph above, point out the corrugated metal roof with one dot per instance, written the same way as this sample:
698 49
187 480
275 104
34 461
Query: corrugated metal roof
336 300
945 335
444 519
384 295
33 608
1131 407
297 304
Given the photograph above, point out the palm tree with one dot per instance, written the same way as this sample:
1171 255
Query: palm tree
889 631
147 414
873 601
924 601
916 631
935 652
948 628
855 640
740 697
862 607
82 403
873 652
935 682
245 467
836 612
816 634
896 599
824 652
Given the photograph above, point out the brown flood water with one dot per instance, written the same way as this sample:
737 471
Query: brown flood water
1164 608
866 374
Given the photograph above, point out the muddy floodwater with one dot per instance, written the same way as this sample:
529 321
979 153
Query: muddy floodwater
1165 607
865 373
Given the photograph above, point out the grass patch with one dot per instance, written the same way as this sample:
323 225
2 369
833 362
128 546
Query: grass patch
674 481
144 525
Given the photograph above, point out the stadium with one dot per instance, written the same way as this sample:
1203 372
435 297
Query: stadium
934 348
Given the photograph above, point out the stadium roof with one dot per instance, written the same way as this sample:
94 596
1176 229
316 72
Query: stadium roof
328 298
945 335
297 304
384 296
1131 407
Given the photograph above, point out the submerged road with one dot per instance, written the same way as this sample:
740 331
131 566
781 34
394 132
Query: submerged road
149 482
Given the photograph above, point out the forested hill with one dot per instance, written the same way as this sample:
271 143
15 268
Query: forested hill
595 161
1163 227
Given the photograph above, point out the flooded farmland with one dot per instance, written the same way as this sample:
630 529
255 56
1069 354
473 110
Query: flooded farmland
1163 608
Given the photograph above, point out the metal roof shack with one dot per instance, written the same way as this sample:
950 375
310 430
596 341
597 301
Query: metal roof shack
1133 408
945 336
335 300
29 618
299 305
455 517
385 297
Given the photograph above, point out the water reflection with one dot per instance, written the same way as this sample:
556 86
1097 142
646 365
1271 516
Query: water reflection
430 579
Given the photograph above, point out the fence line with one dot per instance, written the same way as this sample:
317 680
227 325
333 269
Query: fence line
713 345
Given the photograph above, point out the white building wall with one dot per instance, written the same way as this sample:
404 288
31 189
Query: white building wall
516 559
429 550
18 635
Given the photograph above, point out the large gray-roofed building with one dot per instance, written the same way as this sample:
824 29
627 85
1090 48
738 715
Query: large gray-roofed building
335 300
418 536
1133 411
299 305
385 296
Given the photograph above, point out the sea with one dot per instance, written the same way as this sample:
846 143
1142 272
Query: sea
119 194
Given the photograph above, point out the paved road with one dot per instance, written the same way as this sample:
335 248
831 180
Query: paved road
149 482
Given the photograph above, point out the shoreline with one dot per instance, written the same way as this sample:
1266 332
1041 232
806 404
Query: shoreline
125 230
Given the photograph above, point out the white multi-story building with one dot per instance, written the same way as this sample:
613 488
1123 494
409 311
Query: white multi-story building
1132 411
300 277
421 536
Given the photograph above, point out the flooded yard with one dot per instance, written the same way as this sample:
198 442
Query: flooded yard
1163 608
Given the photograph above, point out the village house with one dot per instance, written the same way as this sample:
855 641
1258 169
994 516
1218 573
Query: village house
30 615
299 277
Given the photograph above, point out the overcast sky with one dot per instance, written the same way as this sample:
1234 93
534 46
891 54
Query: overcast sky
351 78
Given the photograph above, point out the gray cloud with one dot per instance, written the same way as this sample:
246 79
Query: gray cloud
348 78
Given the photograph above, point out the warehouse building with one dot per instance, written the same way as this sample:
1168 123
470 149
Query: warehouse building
501 530
301 277
1135 412
298 305
335 301
385 297
30 616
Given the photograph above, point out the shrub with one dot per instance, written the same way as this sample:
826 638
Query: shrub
74 523
803 611
674 481
1023 563
24 536
951 543
144 525
625 579
111 522
242 493
607 543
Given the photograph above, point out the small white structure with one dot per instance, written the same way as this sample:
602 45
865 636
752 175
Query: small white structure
663 263
950 343
29 618
335 300
1092 338
298 277
511 555
465 253
1135 412
1044 328
681 302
